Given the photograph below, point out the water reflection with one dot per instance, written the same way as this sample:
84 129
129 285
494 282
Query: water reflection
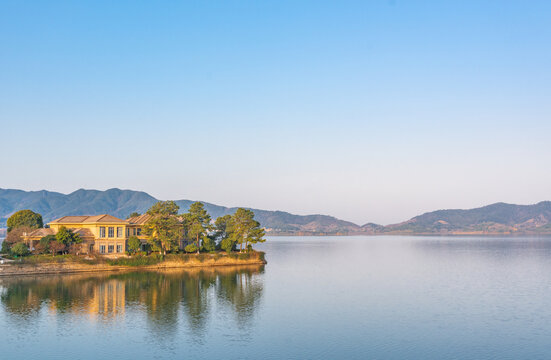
167 297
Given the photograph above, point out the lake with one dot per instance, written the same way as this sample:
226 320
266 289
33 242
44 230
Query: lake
384 297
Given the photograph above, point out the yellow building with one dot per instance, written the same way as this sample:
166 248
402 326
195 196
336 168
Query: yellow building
102 234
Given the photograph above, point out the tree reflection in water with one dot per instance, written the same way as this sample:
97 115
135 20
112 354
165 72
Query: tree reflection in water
165 297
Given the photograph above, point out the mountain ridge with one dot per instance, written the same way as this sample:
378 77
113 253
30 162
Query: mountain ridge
120 203
498 218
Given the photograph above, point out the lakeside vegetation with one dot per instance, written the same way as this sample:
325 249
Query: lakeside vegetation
166 231
141 259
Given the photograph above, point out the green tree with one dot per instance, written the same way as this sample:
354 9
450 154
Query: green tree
43 245
15 236
164 229
5 247
221 227
190 248
26 218
134 244
245 230
134 214
20 249
222 231
67 237
39 249
197 223
46 240
209 244
227 244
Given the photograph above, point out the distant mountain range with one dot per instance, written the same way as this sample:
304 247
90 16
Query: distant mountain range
121 203
497 218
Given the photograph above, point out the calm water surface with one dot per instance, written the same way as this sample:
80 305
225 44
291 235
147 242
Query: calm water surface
318 297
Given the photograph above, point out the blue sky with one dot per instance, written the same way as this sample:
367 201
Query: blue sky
371 111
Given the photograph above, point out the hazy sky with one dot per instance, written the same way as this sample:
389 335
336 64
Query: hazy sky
371 111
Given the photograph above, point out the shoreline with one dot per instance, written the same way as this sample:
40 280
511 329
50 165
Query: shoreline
73 267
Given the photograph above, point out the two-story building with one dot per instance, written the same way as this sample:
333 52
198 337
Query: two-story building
103 234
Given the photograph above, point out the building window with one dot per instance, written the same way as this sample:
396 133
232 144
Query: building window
119 232
139 231
110 248
91 248
119 248
111 232
102 249
134 231
127 232
102 232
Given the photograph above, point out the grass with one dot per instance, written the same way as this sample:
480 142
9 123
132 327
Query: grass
58 259
139 259
154 259
136 260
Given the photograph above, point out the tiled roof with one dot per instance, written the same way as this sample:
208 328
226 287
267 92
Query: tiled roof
49 231
41 232
139 220
105 218
70 219
83 233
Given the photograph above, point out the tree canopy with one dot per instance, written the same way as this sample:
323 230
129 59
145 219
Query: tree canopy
222 228
20 249
244 229
197 223
67 236
14 236
134 244
44 245
163 208
164 229
133 214
27 218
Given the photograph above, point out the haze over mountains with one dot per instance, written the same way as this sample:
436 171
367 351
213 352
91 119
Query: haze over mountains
497 218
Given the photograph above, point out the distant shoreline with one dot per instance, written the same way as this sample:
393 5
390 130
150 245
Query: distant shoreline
516 234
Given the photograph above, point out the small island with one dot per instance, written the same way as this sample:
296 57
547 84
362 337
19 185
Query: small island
161 238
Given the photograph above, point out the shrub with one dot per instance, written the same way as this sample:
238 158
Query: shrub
191 248
44 244
57 247
134 244
209 244
75 249
227 245
67 236
5 247
16 235
20 249
39 249
46 240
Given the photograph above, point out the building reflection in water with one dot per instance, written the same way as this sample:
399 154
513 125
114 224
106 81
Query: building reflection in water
167 297
109 298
